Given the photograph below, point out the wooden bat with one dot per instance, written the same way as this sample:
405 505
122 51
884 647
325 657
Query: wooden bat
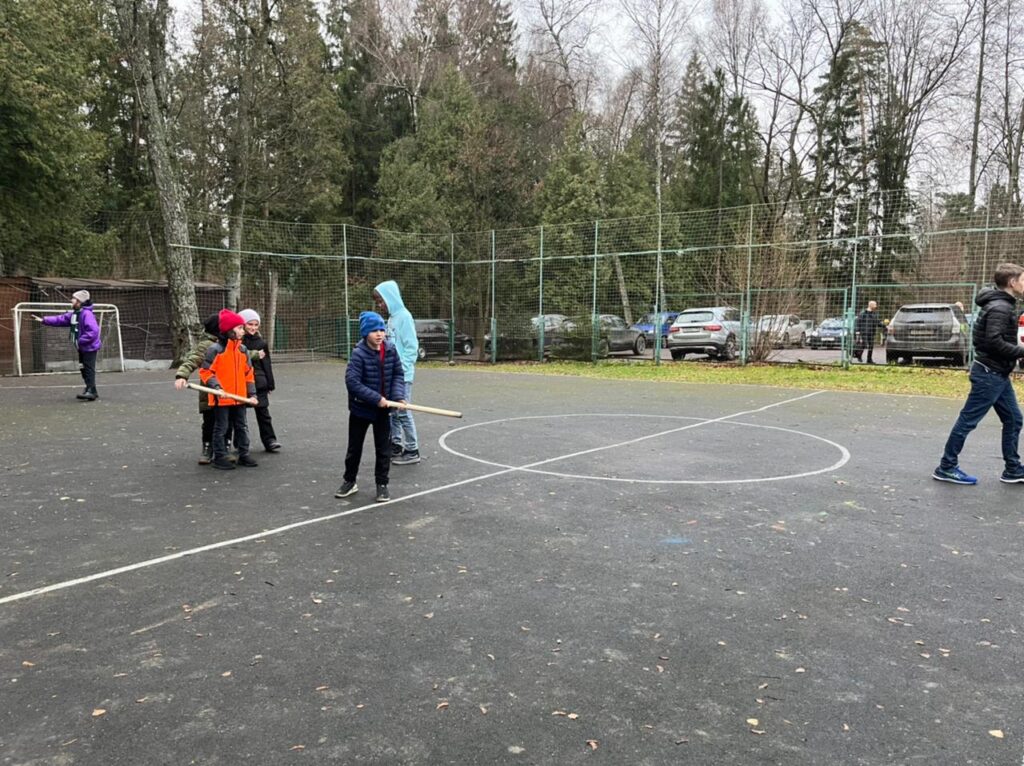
217 392
427 410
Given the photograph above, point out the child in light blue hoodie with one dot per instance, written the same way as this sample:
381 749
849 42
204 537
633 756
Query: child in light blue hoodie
401 333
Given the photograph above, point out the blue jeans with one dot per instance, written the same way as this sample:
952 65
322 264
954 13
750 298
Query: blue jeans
988 389
403 429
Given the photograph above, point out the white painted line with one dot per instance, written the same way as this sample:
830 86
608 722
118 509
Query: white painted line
331 516
844 454
102 384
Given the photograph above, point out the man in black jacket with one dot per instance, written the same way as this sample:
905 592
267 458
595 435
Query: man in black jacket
865 329
995 352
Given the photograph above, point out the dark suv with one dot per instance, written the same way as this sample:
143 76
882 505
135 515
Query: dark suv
927 330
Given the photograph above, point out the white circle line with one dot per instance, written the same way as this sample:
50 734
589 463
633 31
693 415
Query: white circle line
843 452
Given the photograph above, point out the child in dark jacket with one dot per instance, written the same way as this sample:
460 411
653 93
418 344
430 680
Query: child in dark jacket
373 377
996 352
264 372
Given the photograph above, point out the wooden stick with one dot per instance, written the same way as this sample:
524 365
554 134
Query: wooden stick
217 392
426 410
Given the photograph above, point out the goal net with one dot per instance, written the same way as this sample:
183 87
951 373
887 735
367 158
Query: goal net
39 349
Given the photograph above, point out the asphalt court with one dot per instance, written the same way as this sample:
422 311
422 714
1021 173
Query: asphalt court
578 570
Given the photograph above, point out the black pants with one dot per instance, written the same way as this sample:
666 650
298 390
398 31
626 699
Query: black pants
87 366
266 425
233 417
357 428
208 418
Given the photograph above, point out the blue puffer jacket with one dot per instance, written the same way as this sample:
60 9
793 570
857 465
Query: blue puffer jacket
363 378
401 327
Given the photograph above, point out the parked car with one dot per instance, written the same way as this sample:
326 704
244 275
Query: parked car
710 331
783 329
927 330
829 334
646 323
556 327
616 335
432 335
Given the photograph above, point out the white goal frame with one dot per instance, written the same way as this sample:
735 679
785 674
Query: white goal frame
99 309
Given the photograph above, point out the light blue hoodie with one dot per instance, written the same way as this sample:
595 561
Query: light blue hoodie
401 327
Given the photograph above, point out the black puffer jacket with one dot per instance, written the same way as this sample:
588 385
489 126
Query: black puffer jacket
995 331
262 368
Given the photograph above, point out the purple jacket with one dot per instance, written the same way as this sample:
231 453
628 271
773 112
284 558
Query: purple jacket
85 332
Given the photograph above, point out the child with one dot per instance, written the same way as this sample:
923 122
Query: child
264 378
226 366
995 353
85 334
195 359
401 332
373 376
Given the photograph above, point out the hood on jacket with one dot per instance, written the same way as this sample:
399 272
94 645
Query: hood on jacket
212 325
989 294
392 296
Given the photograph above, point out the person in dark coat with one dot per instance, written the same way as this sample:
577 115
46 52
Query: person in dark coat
373 377
996 352
264 373
865 329
85 335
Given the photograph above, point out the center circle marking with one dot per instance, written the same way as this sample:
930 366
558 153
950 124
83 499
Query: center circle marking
844 454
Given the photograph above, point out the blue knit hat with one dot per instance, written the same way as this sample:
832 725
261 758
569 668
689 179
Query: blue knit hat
370 321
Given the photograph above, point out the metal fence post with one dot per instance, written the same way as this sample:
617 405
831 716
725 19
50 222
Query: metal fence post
594 329
657 293
745 316
984 251
540 305
348 325
851 329
451 295
494 305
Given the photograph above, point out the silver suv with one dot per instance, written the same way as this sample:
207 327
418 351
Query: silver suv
927 330
711 331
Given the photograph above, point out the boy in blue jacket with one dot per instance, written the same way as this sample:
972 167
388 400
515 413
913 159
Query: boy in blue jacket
373 377
401 333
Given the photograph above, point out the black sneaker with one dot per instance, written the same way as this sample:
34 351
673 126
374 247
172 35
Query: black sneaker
273 447
89 396
207 456
223 464
382 493
84 395
247 461
407 457
1014 476
346 489
396 450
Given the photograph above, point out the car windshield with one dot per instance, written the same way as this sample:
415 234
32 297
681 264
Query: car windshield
932 314
695 317
832 324
649 318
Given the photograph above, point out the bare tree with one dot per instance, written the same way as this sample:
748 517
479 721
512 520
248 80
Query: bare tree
972 178
563 32
141 31
736 30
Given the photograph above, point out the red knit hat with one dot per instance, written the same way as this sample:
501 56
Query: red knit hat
228 320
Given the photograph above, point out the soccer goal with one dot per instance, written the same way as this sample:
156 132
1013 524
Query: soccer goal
40 350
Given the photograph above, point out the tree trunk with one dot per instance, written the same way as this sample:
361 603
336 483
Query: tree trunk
272 286
627 311
141 37
233 279
972 189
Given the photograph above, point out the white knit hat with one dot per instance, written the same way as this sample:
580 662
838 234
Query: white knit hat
249 315
82 296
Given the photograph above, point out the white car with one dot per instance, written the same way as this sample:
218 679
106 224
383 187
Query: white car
784 329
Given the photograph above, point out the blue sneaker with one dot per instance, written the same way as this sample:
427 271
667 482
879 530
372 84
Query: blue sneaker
1013 476
954 475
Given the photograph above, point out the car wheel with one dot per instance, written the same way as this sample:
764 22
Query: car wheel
421 353
678 354
467 348
892 358
640 345
957 360
728 352
603 349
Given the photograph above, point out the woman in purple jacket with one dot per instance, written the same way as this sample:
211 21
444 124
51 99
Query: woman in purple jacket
85 334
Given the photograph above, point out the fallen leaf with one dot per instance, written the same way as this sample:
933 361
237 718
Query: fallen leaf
140 700
429 616
997 733
483 710
27 664
318 600
443 705
559 712
846 727
800 670
573 716
592 744
758 731
98 712
297 747
752 722
321 688
225 674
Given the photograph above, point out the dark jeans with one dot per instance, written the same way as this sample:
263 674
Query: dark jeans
87 366
988 389
357 428
208 418
266 425
234 418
